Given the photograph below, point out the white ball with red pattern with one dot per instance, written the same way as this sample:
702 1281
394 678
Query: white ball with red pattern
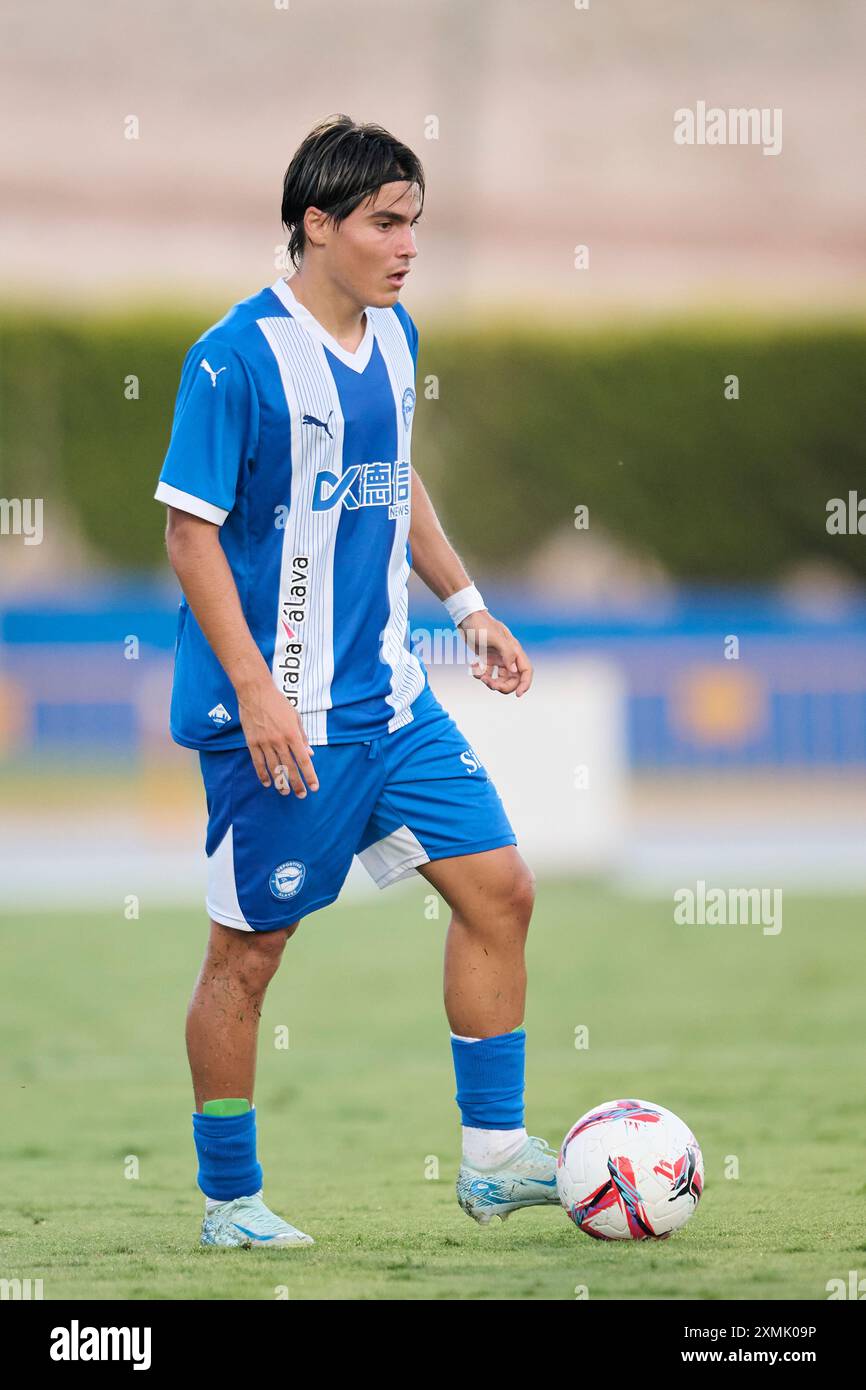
629 1170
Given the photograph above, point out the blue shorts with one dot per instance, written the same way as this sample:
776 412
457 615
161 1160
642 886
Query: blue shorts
404 799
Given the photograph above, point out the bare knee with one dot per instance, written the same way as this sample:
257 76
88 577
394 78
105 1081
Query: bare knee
509 898
259 961
251 958
523 893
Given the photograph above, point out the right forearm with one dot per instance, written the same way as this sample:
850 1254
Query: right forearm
200 564
274 731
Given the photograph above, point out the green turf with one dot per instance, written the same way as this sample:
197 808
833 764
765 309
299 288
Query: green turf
756 1041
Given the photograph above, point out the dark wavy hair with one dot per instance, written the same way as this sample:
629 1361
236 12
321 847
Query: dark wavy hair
336 167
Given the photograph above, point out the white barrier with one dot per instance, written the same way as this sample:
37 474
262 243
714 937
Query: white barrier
557 757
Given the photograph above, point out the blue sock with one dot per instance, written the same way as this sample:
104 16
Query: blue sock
491 1079
226 1147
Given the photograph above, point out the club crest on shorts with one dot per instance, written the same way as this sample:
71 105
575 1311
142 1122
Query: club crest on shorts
287 879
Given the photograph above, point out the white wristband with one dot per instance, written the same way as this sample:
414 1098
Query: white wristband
464 602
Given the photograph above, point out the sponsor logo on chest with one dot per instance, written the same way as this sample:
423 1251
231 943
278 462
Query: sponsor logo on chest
365 485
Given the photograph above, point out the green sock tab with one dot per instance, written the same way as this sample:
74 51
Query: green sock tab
233 1106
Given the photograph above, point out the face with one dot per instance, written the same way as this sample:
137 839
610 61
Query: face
370 253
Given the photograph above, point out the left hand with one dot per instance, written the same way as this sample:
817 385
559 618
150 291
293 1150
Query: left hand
504 654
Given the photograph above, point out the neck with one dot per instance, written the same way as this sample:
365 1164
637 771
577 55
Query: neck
337 312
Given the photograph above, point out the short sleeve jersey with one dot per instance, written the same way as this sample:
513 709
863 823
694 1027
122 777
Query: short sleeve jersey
300 452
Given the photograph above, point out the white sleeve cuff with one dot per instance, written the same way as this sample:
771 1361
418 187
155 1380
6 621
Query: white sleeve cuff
464 602
187 502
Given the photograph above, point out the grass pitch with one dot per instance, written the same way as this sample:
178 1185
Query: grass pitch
757 1041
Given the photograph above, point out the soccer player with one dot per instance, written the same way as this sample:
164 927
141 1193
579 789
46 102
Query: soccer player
294 515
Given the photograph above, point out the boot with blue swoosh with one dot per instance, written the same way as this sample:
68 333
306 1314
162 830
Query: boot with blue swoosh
527 1179
246 1221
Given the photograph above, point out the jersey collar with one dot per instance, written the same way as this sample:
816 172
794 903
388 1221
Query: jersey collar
357 360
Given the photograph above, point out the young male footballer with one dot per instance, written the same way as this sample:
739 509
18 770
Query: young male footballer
294 515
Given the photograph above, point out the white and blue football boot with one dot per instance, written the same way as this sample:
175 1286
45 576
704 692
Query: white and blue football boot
246 1221
527 1179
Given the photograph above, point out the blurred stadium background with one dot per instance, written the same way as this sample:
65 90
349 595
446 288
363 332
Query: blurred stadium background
543 388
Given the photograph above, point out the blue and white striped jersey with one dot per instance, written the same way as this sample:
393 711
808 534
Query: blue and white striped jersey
301 453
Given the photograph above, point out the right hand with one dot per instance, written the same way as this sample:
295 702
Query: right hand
274 733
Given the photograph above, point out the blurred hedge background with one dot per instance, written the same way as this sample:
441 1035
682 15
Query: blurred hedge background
513 431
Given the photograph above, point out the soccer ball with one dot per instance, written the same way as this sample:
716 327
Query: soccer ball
629 1170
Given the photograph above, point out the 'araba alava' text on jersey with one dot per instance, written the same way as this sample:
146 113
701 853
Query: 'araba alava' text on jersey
301 453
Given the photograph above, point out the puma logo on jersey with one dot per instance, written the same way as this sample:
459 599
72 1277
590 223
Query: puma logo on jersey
322 424
213 374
